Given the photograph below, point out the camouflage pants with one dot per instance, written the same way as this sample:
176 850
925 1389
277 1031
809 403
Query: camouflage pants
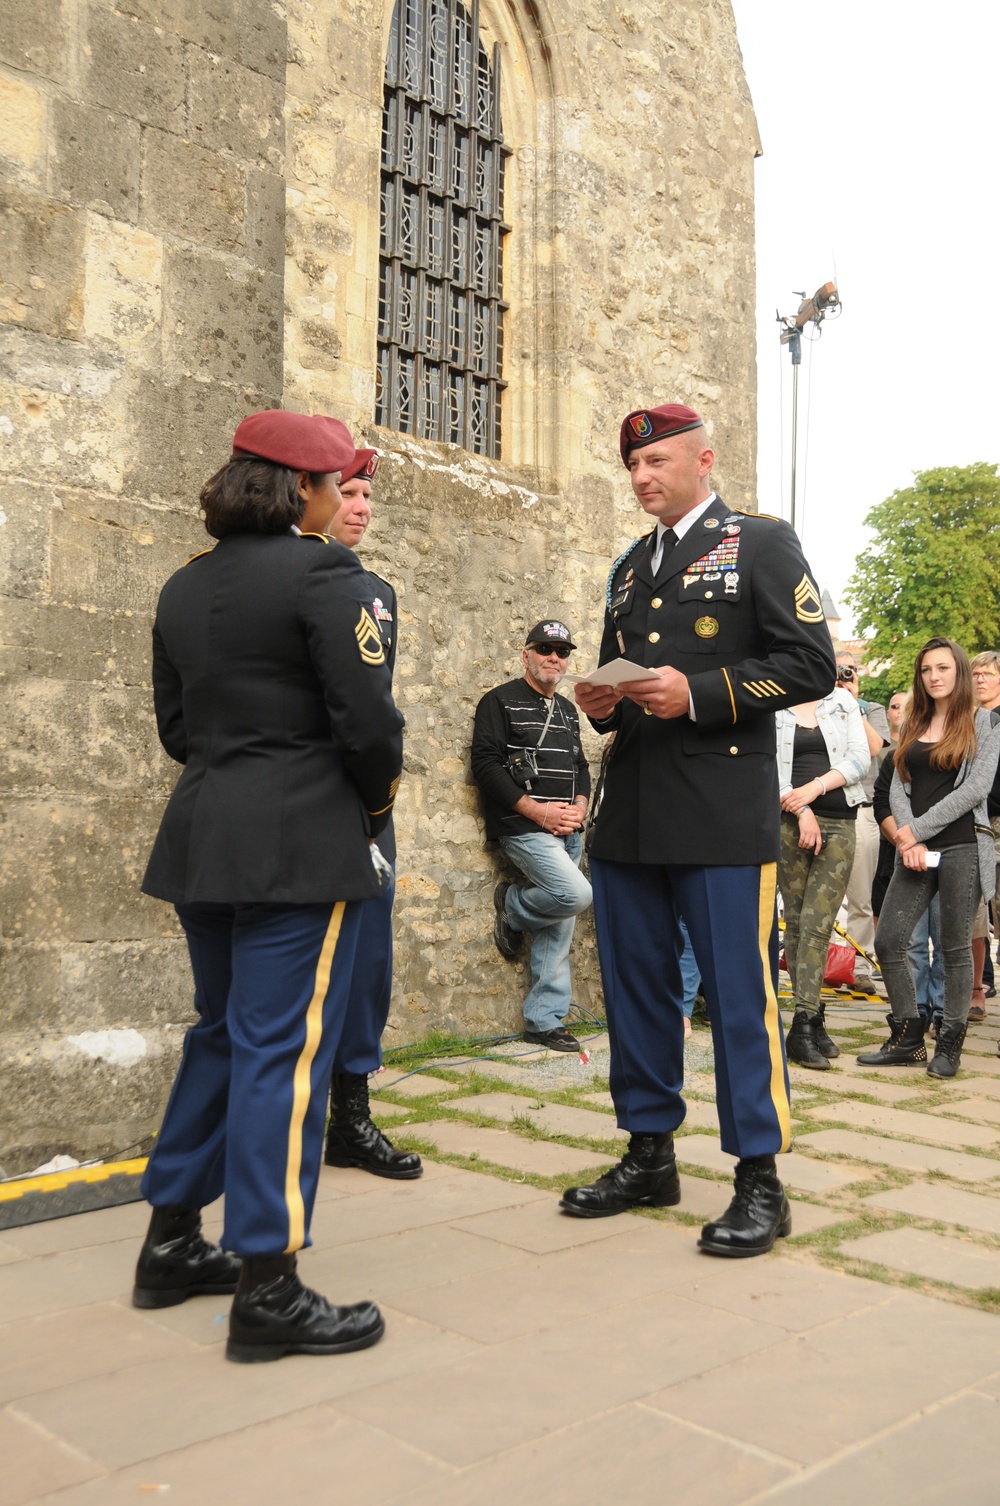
812 886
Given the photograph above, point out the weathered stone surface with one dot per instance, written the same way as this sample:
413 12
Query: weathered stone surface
552 1118
180 434
964 1168
71 643
63 437
537 1157
109 742
947 1205
914 1126
35 37
192 192
941 1257
123 295
110 562
94 159
34 233
264 239
22 137
135 69
233 109
95 985
222 320
24 539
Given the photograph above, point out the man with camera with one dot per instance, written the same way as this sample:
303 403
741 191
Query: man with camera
860 920
528 762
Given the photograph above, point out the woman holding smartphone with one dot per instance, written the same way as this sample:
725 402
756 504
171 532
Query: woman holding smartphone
945 762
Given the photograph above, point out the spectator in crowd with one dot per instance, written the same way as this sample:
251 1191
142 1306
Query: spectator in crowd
986 686
895 714
823 754
529 764
945 765
860 921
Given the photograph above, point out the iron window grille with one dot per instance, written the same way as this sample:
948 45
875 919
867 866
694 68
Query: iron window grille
440 324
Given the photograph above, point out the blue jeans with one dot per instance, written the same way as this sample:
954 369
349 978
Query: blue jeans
929 974
690 971
546 907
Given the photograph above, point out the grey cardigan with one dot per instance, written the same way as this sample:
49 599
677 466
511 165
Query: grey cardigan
973 785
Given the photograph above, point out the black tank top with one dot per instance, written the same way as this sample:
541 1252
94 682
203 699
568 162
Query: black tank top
927 787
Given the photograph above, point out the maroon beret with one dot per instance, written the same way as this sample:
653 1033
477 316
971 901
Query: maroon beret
364 464
298 440
646 425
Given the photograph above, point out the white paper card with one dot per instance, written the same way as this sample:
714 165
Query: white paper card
617 672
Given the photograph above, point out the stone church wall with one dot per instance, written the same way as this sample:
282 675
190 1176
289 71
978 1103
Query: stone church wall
189 231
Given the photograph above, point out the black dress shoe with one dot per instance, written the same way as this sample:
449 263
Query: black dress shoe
904 1048
645 1177
273 1314
509 941
353 1140
556 1040
757 1216
176 1262
802 1042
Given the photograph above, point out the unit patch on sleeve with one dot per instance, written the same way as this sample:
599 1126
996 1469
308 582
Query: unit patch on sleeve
369 642
808 607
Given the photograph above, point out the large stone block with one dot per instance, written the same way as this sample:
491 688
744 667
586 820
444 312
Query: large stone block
211 24
24 539
223 320
262 38
71 868
71 643
22 125
264 237
123 298
35 37
41 264
193 193
135 69
69 439
233 109
40 362
96 985
78 738
94 159
181 434
116 561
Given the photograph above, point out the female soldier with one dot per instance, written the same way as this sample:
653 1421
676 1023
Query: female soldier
271 688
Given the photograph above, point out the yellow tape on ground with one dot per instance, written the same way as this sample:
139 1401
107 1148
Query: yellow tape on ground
55 1181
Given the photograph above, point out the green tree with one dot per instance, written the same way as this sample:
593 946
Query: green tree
932 568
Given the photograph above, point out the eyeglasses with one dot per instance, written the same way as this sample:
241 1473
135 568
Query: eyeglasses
985 674
545 649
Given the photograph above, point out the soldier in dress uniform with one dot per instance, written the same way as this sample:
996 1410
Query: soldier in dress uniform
352 1139
271 688
724 607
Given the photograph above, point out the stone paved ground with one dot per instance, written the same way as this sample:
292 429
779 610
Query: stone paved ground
558 1360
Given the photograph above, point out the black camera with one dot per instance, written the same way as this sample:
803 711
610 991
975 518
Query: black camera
845 672
522 767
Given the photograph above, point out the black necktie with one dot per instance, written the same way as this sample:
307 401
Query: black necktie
668 542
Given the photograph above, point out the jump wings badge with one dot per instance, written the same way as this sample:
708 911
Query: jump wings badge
808 607
369 643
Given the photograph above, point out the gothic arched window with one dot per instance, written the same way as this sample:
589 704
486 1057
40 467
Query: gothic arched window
440 329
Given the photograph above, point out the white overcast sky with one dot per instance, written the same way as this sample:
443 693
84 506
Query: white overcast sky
880 169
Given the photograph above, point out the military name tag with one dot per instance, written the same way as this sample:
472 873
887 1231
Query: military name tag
706 627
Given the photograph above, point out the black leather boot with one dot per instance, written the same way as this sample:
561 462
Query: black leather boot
801 1044
825 1042
177 1262
904 1048
947 1051
646 1176
757 1216
273 1314
353 1140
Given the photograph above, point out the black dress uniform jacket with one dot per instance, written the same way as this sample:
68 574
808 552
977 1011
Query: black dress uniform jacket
271 688
734 608
385 612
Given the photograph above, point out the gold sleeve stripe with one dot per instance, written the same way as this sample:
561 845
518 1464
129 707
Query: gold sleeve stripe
384 808
775 687
732 698
301 1083
200 555
754 691
369 642
394 786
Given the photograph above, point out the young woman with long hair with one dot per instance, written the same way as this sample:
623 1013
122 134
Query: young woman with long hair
945 762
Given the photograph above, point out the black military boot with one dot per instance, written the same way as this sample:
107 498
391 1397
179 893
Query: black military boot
904 1048
947 1051
757 1216
646 1176
801 1044
353 1140
177 1262
825 1042
274 1314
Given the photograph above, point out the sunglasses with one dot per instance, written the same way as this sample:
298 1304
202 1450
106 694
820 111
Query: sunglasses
551 648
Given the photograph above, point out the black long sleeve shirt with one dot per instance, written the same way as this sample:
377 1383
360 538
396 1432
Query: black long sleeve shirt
512 717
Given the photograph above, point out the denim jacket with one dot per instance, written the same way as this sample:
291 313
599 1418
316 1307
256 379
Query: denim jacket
839 720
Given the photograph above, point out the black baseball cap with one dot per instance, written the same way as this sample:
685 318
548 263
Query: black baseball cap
549 634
